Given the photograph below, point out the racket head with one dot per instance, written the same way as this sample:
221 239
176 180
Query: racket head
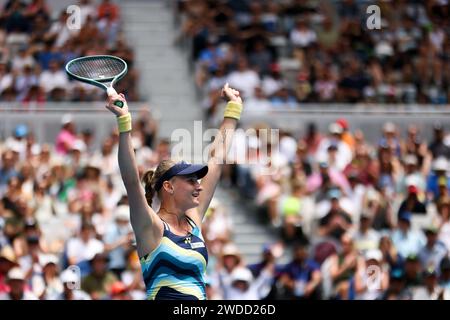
100 70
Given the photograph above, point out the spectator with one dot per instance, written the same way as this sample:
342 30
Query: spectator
434 251
70 292
99 281
67 136
54 81
81 249
366 238
437 147
431 289
244 287
406 240
301 278
412 203
343 267
244 79
16 283
370 288
8 261
118 240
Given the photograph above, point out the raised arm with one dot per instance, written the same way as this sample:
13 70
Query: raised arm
146 225
218 151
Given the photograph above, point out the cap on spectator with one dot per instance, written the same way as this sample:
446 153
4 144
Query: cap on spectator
21 131
405 216
343 123
230 250
332 147
396 274
437 126
69 275
334 193
430 272
430 229
442 182
16 274
118 287
67 118
241 274
412 258
78 145
122 213
7 253
410 159
440 164
335 128
374 254
47 259
102 256
389 127
275 67
323 164
412 189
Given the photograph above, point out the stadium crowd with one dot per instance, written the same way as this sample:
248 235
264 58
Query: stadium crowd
36 42
362 220
284 53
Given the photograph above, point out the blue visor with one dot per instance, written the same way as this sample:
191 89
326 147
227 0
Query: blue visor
182 169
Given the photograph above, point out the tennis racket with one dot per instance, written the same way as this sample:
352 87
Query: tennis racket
101 71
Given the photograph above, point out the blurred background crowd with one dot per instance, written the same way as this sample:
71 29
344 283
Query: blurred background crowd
284 53
36 42
355 219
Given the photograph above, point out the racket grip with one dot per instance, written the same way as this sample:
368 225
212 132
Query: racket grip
111 91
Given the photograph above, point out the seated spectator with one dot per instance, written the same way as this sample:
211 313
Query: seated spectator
370 278
397 289
390 254
430 289
245 287
18 289
366 238
99 281
54 81
71 291
67 135
343 267
434 251
437 176
82 248
337 220
300 278
8 261
118 240
405 239
412 203
244 79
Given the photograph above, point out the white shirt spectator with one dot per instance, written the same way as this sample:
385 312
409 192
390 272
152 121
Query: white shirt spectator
51 80
81 251
302 38
245 81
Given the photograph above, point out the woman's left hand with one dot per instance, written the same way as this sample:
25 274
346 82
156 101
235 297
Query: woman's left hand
231 94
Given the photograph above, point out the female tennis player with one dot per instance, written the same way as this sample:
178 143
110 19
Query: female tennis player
172 251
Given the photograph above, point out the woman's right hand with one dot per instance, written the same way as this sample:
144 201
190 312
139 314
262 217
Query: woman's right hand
115 109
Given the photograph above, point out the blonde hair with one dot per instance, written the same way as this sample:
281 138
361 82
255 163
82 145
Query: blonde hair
152 176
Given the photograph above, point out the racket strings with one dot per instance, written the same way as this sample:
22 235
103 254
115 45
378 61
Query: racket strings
98 68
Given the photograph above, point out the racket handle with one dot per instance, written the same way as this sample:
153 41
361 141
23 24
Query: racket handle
111 91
